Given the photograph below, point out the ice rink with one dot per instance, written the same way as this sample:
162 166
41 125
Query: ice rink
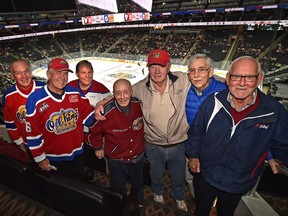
107 71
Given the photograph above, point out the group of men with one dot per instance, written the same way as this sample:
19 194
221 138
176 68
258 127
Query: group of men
49 117
225 130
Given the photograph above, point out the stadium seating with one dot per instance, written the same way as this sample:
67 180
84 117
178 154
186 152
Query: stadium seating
20 177
76 198
73 197
66 195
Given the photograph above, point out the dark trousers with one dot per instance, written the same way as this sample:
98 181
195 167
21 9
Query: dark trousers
119 173
205 195
74 168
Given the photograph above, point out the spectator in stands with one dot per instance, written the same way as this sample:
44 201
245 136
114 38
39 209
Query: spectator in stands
14 101
123 132
162 95
200 74
93 90
231 136
55 117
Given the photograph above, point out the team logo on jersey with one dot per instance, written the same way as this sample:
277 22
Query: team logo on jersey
63 121
263 126
137 124
73 98
21 113
43 107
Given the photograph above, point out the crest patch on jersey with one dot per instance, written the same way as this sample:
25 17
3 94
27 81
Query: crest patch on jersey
43 107
21 113
63 121
73 98
137 124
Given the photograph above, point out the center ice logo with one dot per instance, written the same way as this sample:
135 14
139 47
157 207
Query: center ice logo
63 121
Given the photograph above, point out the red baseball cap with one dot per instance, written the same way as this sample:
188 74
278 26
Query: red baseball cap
159 57
59 64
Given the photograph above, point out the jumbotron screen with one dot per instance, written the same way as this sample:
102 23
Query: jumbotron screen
116 6
28 6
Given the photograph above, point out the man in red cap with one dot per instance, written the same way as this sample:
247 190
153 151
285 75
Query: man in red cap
162 95
55 117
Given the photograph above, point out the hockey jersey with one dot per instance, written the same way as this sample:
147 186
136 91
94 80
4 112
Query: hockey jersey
55 126
14 101
95 93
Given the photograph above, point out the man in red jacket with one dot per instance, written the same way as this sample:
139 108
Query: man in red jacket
123 132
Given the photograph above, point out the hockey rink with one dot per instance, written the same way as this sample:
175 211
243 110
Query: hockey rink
107 71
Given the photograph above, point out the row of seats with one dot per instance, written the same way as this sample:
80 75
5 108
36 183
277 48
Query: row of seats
66 195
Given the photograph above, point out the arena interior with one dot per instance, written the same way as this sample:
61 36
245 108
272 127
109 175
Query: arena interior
222 29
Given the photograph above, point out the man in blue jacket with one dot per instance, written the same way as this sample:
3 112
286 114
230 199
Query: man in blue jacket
200 74
231 136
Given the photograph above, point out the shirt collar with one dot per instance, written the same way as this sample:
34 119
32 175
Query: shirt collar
229 99
166 87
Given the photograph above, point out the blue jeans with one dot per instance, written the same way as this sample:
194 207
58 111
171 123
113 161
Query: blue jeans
174 157
120 172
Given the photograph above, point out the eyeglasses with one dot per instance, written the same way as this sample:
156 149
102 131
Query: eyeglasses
248 78
200 70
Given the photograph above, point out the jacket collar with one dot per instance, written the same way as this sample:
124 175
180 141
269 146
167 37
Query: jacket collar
207 89
171 77
263 108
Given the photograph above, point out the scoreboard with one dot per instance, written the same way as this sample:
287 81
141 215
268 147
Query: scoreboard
116 18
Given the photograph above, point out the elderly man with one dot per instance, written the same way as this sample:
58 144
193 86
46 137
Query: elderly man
200 74
123 132
231 136
162 95
55 117
14 101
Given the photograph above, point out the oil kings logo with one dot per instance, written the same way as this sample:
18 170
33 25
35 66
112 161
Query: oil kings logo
63 121
137 124
21 114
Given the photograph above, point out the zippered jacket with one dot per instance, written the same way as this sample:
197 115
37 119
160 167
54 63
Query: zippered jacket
232 155
177 125
124 134
193 101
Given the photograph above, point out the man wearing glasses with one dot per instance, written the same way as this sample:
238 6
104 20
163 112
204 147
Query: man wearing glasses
231 136
200 74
